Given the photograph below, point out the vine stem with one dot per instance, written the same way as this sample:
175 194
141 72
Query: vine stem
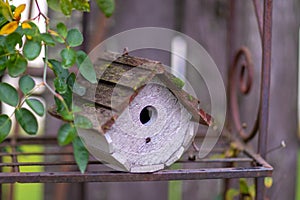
29 94
24 99
45 73
46 61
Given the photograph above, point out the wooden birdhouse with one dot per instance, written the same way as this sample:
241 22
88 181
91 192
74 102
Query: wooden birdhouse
142 119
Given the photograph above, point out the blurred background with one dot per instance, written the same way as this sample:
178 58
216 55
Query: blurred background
206 21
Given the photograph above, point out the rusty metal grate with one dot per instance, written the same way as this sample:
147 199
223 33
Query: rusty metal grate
57 164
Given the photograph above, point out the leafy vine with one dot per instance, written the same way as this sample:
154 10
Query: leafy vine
14 57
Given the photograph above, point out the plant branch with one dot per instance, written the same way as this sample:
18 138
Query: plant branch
46 60
45 75
41 13
29 94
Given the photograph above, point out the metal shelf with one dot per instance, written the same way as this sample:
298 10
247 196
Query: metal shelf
59 167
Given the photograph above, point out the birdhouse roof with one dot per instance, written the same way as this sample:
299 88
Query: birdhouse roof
120 79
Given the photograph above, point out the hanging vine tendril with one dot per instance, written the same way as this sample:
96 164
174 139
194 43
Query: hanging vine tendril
241 75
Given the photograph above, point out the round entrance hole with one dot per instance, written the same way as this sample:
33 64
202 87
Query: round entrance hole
148 115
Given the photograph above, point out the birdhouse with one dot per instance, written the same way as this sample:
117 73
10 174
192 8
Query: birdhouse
142 119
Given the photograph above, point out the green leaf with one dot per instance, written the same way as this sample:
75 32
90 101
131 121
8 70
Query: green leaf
86 67
62 29
3 62
34 31
268 181
20 31
75 87
81 154
5 126
2 41
231 193
60 86
61 107
29 31
252 191
3 21
58 70
8 94
81 5
48 39
2 66
79 89
71 79
27 121
244 186
54 5
3 58
16 65
36 105
67 116
26 84
68 57
74 38
106 6
66 7
59 39
82 122
66 134
61 83
32 49
68 97
12 40
2 71
5 10
76 109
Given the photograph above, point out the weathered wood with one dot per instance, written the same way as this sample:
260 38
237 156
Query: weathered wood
121 79
133 61
122 74
102 118
191 103
115 97
139 147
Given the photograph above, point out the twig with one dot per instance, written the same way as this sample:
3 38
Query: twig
29 94
40 13
280 146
